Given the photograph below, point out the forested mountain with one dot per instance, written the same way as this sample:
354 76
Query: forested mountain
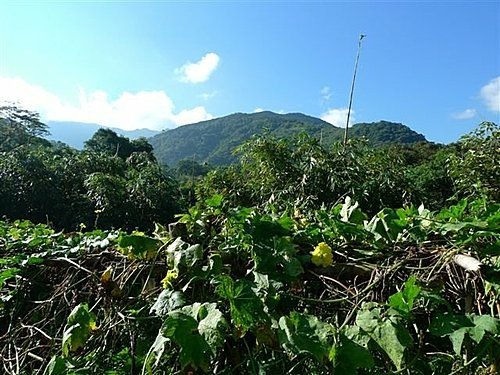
74 134
214 140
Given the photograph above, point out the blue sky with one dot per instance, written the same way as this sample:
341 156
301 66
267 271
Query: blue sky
432 66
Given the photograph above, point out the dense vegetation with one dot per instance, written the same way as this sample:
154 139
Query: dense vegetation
114 182
301 258
213 141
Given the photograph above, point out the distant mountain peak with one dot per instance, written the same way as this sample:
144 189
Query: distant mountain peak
213 141
74 134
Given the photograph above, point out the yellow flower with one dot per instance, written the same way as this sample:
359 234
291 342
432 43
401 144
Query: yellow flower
167 280
322 255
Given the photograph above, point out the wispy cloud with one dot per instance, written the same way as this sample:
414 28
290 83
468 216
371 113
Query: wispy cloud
257 110
338 117
326 93
199 71
465 115
208 95
143 109
490 93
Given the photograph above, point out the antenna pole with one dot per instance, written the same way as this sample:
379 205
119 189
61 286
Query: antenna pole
361 36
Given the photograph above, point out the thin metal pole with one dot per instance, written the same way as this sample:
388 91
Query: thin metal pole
361 36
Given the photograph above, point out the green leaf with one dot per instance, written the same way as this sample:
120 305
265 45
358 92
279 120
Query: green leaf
247 310
167 301
457 326
393 339
351 355
7 274
80 324
403 301
301 333
56 366
156 351
350 213
293 267
180 253
483 324
183 329
385 225
451 325
389 335
215 201
139 246
212 326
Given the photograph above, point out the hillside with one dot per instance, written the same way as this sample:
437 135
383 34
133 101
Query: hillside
214 140
74 134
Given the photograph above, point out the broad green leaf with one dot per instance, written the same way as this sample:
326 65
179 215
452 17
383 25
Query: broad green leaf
301 333
139 246
350 355
483 324
393 339
368 318
7 274
167 301
80 324
389 335
56 366
183 329
456 327
247 310
403 301
385 225
293 267
350 213
451 325
156 351
181 253
212 326
215 201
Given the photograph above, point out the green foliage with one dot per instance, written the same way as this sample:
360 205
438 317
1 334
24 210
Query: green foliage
301 333
67 188
475 168
138 246
303 173
302 259
80 325
403 301
108 142
249 297
19 127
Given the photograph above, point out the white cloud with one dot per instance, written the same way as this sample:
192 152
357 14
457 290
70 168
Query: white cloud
190 116
490 93
338 117
257 110
465 115
143 109
200 71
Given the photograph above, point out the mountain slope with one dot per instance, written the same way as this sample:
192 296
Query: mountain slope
74 134
214 140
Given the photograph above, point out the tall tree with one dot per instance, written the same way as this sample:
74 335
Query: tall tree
19 126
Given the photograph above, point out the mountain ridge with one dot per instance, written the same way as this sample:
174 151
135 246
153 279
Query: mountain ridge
75 133
213 141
